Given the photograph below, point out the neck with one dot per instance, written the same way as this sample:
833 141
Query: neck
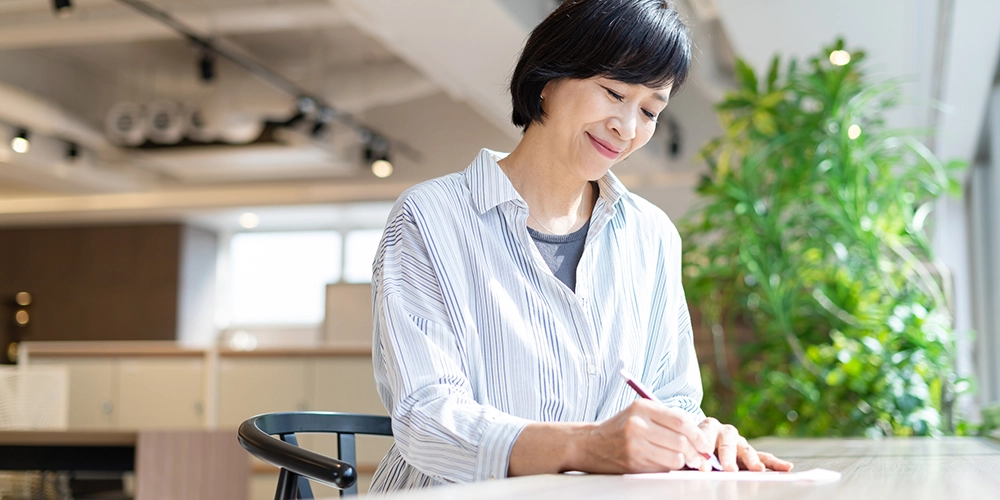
559 200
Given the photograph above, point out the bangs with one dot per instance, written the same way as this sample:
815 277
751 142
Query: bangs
651 52
633 41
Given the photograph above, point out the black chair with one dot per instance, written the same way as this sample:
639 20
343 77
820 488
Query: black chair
297 464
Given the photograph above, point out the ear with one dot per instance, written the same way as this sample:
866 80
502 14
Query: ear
547 89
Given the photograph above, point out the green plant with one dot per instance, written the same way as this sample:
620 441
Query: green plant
811 236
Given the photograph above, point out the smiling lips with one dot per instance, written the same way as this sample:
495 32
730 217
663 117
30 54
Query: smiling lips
603 147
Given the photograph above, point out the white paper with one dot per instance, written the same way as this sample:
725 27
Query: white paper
814 475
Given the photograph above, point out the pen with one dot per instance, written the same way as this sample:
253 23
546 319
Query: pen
646 394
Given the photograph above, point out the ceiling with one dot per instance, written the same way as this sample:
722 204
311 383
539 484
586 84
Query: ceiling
430 75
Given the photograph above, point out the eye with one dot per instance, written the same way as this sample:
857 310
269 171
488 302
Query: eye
614 94
649 115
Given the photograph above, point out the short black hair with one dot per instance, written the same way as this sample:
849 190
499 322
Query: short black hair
632 41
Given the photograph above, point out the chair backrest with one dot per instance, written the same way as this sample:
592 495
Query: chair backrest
297 464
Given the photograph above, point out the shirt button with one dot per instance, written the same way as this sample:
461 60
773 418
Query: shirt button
591 369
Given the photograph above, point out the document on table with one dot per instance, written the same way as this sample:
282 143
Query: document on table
813 475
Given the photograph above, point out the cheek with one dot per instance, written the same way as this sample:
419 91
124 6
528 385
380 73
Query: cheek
642 137
586 110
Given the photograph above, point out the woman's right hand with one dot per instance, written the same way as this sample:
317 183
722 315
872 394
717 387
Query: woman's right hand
645 437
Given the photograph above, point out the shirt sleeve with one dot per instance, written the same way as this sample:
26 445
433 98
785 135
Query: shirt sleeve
680 384
420 366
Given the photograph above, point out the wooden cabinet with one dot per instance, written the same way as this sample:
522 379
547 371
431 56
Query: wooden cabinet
173 389
250 386
133 393
147 386
161 393
93 391
347 384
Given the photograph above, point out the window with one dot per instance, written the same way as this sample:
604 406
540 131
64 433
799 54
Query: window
280 278
360 247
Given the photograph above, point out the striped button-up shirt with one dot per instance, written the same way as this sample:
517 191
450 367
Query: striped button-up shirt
474 337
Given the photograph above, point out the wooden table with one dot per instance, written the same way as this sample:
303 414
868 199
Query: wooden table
916 468
175 464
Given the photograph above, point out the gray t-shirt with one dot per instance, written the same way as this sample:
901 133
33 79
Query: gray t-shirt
562 252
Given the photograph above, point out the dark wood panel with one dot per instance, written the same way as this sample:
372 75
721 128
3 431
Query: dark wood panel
93 283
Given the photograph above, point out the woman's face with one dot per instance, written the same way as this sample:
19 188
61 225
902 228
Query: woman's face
597 122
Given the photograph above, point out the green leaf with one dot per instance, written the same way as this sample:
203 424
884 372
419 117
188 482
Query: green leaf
771 100
955 188
745 76
956 165
764 122
772 74
732 103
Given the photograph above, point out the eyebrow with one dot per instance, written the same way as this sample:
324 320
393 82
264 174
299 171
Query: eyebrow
660 97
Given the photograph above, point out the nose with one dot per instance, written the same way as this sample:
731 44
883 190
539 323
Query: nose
624 124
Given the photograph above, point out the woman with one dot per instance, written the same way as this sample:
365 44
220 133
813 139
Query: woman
507 297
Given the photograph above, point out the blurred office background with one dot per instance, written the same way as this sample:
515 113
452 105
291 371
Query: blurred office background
197 233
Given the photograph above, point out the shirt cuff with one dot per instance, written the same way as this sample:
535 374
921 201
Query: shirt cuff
687 406
493 455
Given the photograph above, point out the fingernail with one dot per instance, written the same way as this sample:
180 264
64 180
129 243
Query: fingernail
708 456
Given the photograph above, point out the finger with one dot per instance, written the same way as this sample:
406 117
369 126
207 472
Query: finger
680 422
711 428
650 432
774 463
728 439
748 456
671 460
657 459
675 442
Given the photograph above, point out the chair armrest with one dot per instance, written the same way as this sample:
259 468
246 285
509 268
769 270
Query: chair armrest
298 460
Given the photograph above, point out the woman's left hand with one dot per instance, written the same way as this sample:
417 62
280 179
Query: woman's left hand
735 453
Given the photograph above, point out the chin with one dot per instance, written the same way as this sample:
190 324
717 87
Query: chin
595 172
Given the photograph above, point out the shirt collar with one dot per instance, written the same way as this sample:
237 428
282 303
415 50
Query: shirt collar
488 184
491 187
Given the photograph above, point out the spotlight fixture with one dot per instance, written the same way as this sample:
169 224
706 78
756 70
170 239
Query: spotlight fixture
377 152
306 105
20 142
72 152
318 129
322 125
62 8
382 168
206 66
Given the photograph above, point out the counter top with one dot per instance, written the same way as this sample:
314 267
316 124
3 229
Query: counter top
55 349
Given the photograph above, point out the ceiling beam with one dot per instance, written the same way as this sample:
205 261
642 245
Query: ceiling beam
470 52
174 203
113 23
23 109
